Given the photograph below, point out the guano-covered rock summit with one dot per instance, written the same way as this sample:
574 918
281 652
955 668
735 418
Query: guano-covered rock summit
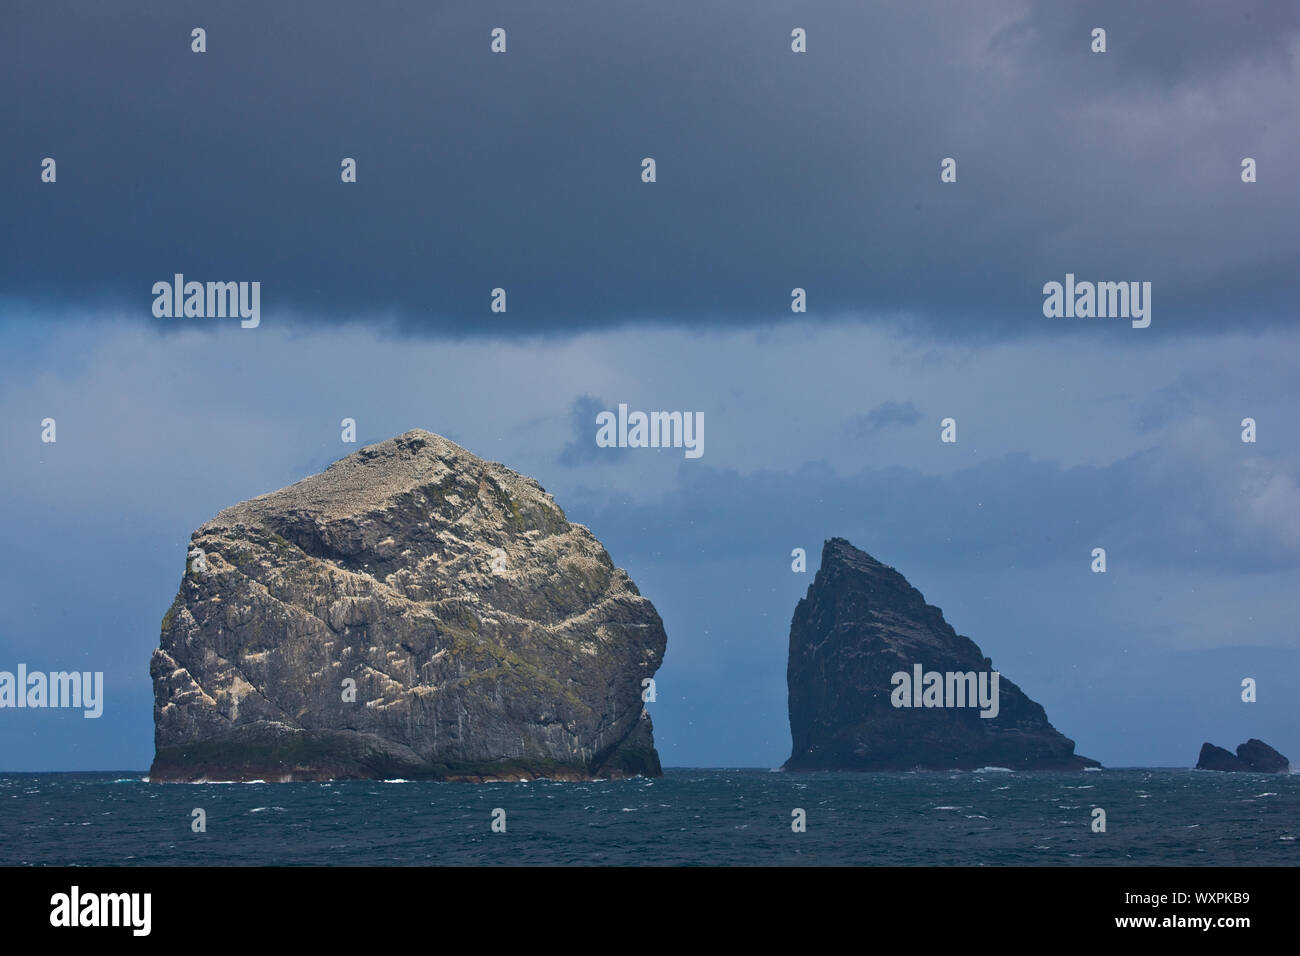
413 611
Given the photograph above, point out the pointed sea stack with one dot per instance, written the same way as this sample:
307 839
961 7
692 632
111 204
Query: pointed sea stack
413 611
862 623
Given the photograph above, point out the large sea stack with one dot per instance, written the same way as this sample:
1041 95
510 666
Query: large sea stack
860 625
413 611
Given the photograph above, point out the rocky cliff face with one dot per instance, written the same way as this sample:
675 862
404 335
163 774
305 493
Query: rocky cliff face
413 611
862 624
1254 756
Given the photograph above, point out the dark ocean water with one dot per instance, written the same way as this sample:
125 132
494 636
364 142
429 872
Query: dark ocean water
700 817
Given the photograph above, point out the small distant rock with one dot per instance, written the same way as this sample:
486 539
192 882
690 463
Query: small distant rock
1216 758
1254 756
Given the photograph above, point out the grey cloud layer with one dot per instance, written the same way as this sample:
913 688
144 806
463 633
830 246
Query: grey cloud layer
1056 455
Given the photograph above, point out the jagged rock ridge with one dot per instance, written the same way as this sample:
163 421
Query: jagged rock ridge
486 635
1254 756
860 623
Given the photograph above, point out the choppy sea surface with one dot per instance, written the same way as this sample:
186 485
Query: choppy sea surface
687 817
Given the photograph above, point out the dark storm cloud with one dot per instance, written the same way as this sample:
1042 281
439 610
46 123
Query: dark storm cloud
775 170
1190 41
